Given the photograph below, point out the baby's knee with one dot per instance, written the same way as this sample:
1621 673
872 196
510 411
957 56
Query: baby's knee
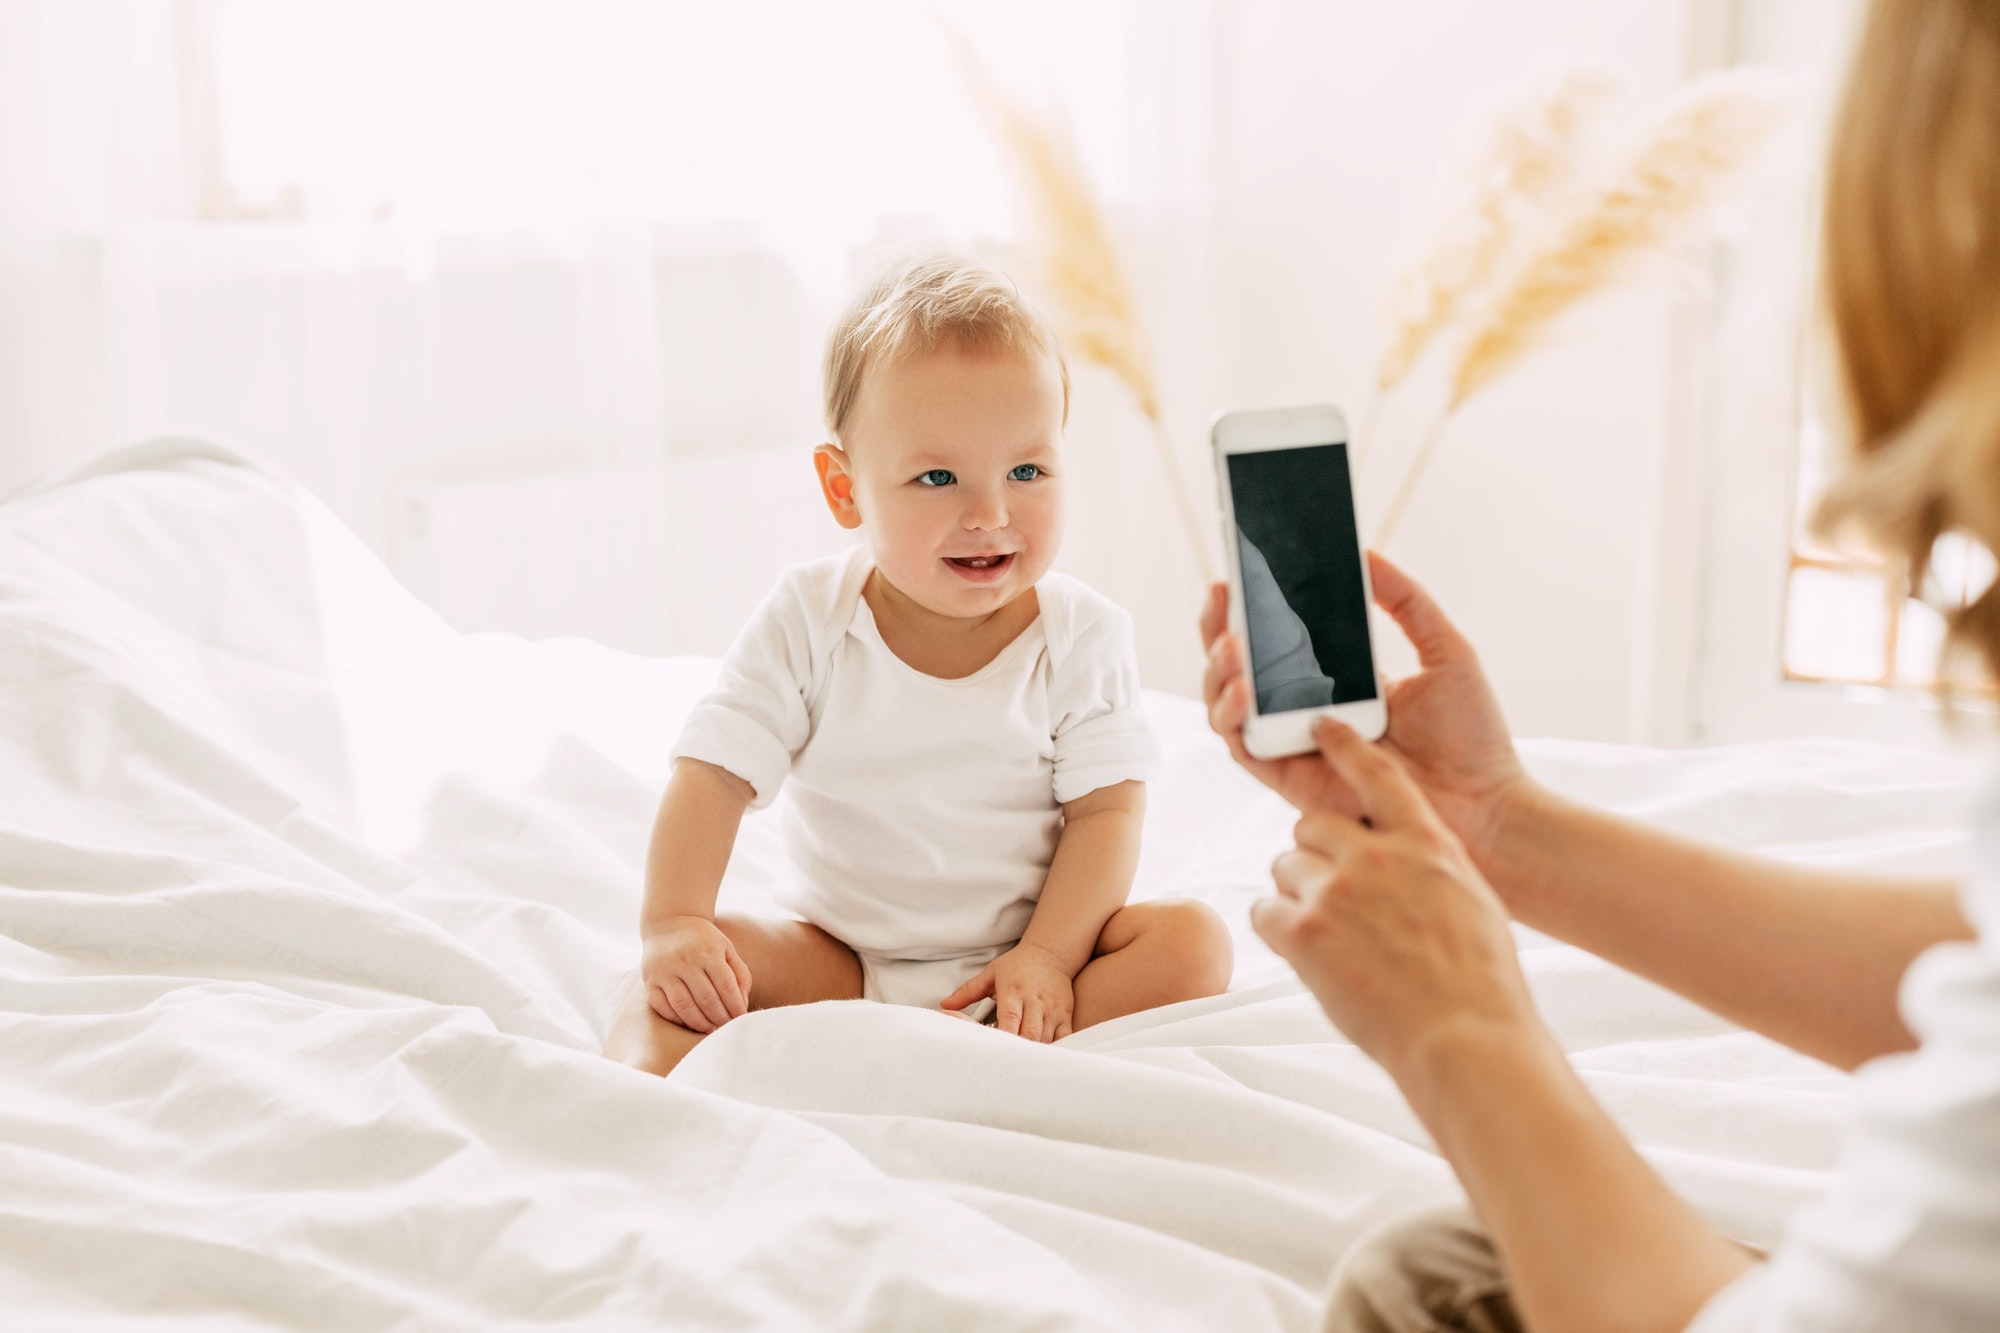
744 932
1198 937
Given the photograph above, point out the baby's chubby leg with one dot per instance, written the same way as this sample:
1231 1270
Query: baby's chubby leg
790 962
1150 954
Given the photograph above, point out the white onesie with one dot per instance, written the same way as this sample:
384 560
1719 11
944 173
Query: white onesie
924 812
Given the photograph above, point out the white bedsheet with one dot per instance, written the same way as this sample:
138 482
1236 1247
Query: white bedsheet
311 913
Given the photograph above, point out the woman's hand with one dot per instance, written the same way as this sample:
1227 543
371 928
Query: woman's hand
1389 922
692 974
1034 996
1444 723
1407 948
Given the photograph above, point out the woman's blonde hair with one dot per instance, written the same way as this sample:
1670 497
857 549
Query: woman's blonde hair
1912 285
921 304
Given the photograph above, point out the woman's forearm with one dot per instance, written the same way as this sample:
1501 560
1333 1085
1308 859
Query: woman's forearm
1592 1238
1809 957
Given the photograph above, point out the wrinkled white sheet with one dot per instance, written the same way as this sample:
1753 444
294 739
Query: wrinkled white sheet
312 912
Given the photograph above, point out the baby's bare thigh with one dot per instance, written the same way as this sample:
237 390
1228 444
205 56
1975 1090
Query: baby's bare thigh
791 962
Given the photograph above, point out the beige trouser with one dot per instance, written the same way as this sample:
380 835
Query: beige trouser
1435 1272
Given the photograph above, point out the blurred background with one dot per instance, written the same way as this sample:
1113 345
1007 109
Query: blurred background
532 293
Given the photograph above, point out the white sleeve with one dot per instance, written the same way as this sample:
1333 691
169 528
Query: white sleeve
1737 1308
1908 1235
1101 734
754 721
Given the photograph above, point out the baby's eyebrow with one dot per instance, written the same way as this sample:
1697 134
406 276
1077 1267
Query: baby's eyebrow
958 457
929 458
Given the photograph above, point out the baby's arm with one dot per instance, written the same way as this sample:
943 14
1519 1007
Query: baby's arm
1091 875
692 974
1096 858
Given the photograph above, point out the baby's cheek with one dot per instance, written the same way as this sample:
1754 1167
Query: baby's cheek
904 552
1042 531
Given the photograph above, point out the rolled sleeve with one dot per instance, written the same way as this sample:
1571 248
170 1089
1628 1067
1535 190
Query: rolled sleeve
1737 1308
1101 734
718 734
755 720
1103 751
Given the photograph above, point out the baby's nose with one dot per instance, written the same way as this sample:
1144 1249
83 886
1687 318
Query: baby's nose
985 511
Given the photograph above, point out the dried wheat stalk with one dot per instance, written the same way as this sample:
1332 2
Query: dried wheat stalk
1675 169
1532 145
1700 140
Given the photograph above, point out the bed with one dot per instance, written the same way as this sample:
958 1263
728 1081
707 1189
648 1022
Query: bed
313 911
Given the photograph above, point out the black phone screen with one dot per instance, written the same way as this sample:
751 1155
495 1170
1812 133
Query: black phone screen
1303 597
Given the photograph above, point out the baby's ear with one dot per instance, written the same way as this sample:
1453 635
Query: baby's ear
836 483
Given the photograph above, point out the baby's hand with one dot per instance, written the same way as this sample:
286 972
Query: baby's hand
1032 993
692 974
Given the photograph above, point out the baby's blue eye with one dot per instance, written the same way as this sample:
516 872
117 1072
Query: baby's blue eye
937 476
1025 472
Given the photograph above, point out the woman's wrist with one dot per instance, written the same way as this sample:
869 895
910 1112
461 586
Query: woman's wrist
1520 1129
1472 1063
1518 825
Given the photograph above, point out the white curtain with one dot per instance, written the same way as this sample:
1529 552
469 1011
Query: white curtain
404 245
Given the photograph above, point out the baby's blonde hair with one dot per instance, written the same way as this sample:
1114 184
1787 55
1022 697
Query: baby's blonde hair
921 304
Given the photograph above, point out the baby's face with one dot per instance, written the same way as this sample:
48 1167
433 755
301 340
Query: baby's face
952 457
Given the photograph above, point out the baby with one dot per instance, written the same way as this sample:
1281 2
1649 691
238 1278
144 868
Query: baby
960 727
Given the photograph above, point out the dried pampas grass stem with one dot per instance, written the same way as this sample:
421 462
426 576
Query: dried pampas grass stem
1663 184
1532 144
1078 264
1411 475
1698 141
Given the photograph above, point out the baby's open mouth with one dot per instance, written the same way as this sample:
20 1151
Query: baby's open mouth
980 568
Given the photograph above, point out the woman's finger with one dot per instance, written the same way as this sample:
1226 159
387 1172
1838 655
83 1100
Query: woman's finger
1330 833
1303 877
1224 666
1435 638
1285 887
1276 921
1214 614
1387 796
1214 672
1227 712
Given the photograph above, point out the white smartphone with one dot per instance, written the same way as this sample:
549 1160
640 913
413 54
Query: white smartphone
1298 584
